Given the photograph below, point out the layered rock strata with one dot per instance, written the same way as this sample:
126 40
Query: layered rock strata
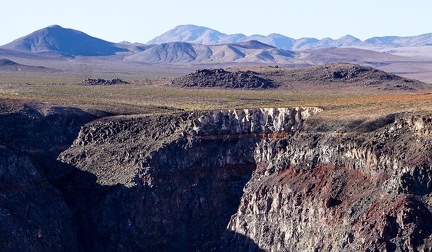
179 177
276 179
340 192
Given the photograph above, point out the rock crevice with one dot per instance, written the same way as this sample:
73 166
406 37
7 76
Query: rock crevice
272 179
340 192
182 175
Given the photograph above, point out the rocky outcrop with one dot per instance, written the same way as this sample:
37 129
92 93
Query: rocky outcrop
225 79
179 177
338 77
34 214
99 81
305 188
345 75
340 192
269 179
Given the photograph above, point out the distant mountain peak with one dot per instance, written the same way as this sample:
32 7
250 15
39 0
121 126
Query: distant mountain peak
190 34
57 39
348 36
55 26
192 26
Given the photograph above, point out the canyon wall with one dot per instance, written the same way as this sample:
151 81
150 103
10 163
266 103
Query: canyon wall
269 179
175 180
34 215
334 191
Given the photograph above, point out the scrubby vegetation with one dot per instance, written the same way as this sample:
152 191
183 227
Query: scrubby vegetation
342 97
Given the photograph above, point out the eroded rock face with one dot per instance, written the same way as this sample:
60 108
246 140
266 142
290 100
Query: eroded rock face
232 180
186 177
340 192
179 179
117 149
34 215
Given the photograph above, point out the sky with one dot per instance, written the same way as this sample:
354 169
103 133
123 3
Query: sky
142 20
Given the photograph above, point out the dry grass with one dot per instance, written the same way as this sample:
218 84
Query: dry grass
152 98
149 94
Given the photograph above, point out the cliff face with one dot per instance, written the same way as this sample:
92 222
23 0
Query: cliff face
34 215
340 192
275 179
183 174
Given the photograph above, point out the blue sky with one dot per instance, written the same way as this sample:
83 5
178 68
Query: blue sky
142 20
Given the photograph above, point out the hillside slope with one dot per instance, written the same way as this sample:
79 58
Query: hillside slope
9 65
65 41
181 52
337 77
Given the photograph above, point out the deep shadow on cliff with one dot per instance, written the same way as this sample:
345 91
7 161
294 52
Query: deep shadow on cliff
170 182
119 218
34 214
183 191
278 179
50 205
37 213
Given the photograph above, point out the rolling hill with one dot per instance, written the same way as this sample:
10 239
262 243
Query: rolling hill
395 41
351 55
7 65
182 52
337 77
254 52
63 41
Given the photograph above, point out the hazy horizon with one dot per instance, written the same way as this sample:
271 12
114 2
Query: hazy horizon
142 21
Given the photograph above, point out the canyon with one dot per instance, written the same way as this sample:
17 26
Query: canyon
258 179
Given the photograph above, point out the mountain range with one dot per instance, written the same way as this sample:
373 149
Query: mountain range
192 44
182 52
203 35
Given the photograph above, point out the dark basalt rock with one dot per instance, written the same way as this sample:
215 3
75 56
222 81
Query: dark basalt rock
7 62
228 180
350 72
100 81
225 79
34 214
